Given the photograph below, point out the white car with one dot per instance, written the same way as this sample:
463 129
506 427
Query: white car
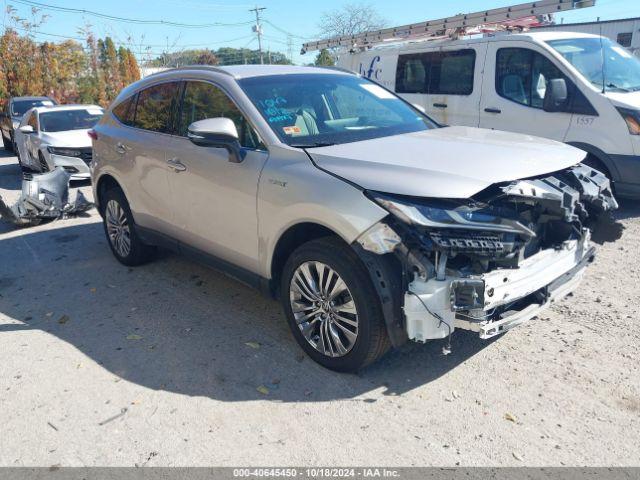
50 137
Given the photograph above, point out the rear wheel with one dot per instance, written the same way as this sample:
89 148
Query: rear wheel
332 307
121 232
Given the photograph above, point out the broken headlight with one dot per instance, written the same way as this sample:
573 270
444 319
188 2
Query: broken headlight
447 214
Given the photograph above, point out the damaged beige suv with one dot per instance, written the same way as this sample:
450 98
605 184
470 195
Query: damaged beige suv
373 224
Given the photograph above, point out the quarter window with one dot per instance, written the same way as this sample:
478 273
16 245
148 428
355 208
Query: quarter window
445 73
126 110
522 76
203 100
156 107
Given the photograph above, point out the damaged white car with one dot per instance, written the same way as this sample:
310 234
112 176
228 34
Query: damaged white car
373 224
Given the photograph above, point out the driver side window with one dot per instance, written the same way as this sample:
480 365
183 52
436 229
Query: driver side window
203 100
522 76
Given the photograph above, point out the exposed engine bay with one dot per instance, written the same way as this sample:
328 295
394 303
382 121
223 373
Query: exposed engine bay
495 260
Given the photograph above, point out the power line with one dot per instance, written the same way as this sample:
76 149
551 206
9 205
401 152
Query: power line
127 20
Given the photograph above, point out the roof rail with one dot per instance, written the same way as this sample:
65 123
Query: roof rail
519 16
193 67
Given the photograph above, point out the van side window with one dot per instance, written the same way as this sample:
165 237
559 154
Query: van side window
125 110
522 76
156 107
203 100
444 72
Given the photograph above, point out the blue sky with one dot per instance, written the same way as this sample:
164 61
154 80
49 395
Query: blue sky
298 18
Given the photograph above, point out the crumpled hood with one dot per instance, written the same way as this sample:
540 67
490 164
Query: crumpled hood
69 138
451 162
625 99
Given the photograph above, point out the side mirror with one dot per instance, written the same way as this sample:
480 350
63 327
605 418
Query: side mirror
218 133
27 129
556 95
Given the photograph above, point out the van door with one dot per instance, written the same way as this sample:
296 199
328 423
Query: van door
513 100
443 82
214 199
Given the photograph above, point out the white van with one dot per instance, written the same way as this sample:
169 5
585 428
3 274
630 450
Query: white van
577 88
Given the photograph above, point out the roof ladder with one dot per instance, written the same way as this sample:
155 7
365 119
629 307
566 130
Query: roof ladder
506 17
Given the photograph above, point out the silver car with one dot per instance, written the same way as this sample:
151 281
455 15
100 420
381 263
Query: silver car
371 223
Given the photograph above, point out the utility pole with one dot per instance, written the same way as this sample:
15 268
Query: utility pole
258 29
290 47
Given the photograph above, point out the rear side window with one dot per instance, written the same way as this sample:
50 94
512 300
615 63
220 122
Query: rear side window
445 73
156 107
203 100
126 110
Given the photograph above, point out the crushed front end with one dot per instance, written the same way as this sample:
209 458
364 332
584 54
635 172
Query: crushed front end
493 261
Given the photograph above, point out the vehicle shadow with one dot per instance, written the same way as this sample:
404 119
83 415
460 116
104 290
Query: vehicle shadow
4 153
177 326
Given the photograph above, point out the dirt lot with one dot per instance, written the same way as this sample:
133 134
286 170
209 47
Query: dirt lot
175 364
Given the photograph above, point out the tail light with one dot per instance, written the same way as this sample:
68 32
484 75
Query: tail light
93 134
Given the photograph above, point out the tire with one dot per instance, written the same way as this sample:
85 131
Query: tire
120 230
7 144
371 341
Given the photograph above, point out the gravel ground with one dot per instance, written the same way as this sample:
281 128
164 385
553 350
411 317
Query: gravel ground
173 364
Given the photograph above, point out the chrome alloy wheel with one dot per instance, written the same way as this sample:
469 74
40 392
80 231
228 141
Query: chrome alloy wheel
118 228
324 309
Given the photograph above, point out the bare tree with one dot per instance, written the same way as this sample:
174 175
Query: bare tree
351 19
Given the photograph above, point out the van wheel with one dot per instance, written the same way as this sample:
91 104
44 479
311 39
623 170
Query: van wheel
332 307
120 230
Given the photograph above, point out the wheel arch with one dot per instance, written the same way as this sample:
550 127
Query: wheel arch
600 157
105 182
293 237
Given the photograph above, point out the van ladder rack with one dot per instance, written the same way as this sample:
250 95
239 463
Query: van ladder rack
506 17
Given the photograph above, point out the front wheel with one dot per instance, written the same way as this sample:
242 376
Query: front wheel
332 307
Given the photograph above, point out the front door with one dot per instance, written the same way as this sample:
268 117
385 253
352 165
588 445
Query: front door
516 76
214 199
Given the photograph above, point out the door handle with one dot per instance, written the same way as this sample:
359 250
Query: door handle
440 105
176 165
492 110
121 148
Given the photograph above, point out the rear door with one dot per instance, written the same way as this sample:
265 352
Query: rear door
516 77
139 147
214 199
443 82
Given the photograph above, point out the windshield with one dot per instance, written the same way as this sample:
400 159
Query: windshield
20 107
604 63
69 120
310 110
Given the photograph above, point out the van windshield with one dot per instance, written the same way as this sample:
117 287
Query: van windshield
604 63
313 110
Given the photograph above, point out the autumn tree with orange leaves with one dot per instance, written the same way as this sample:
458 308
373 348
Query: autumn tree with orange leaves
68 71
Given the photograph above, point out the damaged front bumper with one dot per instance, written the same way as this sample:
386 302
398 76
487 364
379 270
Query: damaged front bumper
488 263
497 301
